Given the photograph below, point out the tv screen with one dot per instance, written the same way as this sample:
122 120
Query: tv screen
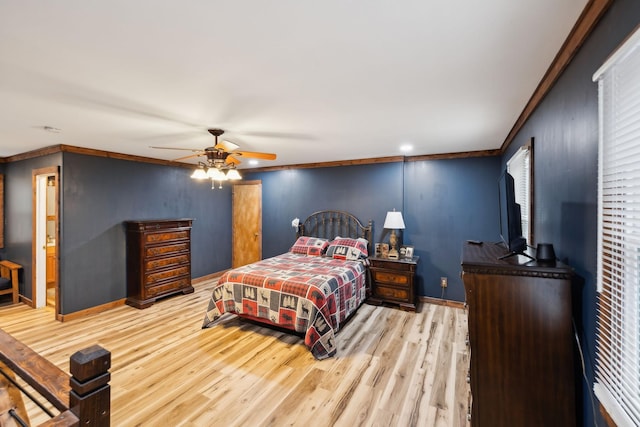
510 219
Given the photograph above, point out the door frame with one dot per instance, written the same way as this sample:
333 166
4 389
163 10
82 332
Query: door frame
38 239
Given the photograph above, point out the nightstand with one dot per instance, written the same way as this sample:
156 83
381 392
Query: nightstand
392 281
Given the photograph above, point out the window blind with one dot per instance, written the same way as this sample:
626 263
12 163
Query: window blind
519 168
617 382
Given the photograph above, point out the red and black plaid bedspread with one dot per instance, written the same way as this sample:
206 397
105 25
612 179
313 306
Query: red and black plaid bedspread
308 294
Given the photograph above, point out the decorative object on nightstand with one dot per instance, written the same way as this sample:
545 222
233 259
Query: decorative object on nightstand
406 252
384 250
394 222
392 281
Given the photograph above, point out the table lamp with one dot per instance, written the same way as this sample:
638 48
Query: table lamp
394 222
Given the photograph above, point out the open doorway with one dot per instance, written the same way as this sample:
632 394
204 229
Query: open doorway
45 248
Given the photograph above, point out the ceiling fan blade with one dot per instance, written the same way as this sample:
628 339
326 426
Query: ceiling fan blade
190 156
232 160
226 146
195 150
255 155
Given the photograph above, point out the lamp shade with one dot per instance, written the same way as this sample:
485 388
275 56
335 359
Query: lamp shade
216 174
233 174
199 174
394 221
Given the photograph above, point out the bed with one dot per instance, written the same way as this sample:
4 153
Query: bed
311 289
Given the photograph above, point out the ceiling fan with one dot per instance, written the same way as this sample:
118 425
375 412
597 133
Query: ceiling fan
222 159
223 153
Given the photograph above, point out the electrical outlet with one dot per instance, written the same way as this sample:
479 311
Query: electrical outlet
443 282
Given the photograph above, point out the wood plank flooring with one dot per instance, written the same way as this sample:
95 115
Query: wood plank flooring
393 368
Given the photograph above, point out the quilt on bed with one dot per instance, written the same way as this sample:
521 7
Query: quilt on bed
308 294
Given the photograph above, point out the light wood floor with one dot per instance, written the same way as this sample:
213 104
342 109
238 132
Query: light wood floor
393 368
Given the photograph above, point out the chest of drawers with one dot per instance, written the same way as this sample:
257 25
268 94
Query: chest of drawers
392 281
521 338
158 260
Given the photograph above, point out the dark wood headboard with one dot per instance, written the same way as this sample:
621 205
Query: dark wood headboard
329 224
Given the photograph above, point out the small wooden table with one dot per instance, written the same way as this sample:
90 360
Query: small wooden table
10 268
392 281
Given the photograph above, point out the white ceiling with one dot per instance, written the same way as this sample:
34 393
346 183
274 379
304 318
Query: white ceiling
310 81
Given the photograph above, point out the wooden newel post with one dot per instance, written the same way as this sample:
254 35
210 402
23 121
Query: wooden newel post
90 395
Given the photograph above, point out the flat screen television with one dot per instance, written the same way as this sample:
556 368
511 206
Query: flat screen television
510 219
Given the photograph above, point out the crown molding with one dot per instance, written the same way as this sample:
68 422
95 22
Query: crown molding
53 149
113 155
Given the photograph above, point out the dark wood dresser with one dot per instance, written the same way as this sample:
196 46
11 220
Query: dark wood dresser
158 260
392 281
520 333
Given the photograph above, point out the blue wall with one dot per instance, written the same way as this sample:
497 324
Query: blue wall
367 191
446 203
565 130
443 203
100 193
97 195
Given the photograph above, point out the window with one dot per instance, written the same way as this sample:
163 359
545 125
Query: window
519 167
617 382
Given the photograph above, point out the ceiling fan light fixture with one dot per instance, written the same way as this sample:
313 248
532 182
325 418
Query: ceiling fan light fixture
199 173
233 174
216 174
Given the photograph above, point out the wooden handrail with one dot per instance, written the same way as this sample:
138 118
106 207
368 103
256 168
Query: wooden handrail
45 377
82 397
